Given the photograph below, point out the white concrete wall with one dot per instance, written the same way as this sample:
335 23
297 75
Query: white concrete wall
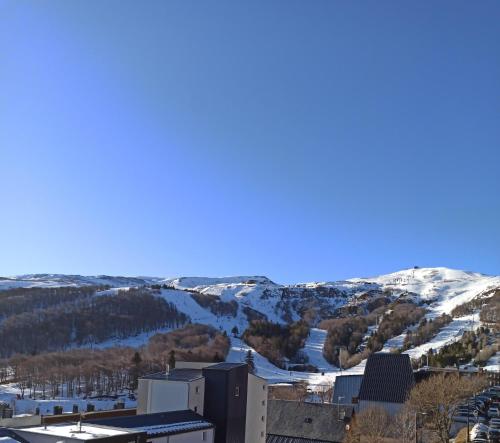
29 420
256 420
196 395
142 396
167 395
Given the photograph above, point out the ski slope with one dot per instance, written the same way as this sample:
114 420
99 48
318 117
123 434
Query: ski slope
442 289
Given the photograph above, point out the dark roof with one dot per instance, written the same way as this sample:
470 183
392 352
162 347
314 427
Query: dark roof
388 378
158 424
315 421
346 388
5 432
177 375
272 438
224 366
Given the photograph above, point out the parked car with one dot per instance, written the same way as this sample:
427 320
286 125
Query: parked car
493 411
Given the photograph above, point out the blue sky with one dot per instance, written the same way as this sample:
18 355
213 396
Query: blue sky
300 140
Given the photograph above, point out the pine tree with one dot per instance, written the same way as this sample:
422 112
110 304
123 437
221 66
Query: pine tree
136 369
249 361
234 331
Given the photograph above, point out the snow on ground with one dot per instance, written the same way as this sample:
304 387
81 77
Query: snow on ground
493 364
450 333
273 374
59 280
445 289
9 393
186 304
314 350
448 288
134 341
442 288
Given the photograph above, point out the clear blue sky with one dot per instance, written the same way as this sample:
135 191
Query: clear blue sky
303 140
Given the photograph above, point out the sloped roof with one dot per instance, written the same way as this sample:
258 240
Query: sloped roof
346 388
313 421
388 378
158 424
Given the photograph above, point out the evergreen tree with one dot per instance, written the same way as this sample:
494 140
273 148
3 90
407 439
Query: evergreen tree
234 331
171 359
136 369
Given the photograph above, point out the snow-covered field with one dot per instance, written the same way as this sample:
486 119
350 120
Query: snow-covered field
9 394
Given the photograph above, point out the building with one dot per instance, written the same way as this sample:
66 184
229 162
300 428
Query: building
210 390
164 427
256 419
387 382
346 389
175 390
301 422
74 433
226 386
172 427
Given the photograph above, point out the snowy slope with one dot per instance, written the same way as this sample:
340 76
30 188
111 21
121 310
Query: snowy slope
58 280
441 289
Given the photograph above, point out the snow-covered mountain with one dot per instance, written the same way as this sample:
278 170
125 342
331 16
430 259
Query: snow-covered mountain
441 289
58 280
244 298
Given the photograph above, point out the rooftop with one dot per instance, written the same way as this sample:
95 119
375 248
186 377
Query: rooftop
87 432
225 366
388 378
310 421
176 375
158 424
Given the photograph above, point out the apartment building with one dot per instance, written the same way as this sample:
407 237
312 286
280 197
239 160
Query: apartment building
224 393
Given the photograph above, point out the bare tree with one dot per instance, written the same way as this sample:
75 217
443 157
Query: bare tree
404 425
373 425
438 399
325 392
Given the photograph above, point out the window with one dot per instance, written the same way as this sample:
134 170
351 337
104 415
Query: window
197 389
204 435
196 409
262 433
263 387
262 418
263 403
237 391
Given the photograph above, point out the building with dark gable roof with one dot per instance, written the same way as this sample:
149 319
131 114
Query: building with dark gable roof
387 382
301 422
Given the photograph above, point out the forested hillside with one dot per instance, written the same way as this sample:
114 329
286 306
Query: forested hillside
78 316
113 370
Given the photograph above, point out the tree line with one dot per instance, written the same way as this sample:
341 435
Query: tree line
275 341
215 304
345 335
86 321
18 300
426 330
96 372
